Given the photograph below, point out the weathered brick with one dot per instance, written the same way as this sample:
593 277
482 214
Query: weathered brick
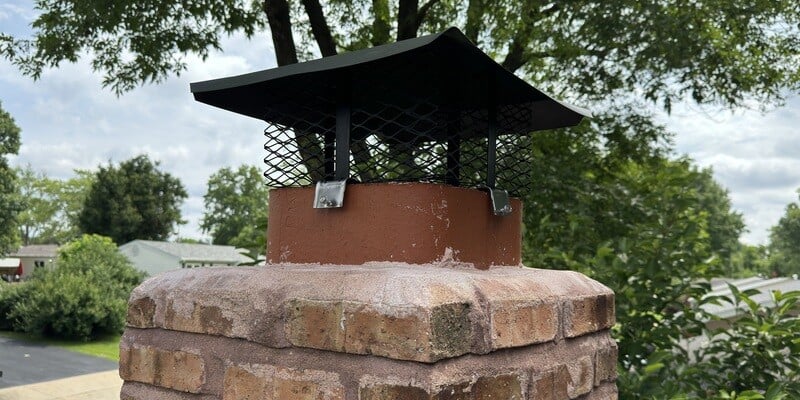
514 324
561 382
415 334
506 387
202 319
404 336
588 314
451 330
137 364
458 391
315 324
141 313
542 386
262 381
143 391
296 389
177 370
605 365
241 384
581 376
392 392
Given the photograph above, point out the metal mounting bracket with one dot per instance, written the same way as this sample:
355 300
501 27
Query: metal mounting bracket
501 205
329 194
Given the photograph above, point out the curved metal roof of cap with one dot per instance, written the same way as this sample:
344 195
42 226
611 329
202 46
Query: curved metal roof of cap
445 69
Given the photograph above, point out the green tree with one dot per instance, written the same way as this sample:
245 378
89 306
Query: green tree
40 206
236 208
85 297
724 224
132 201
50 206
784 242
715 52
9 201
749 260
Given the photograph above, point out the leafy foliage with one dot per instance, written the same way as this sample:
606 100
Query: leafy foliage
9 204
10 295
84 297
131 42
753 357
132 201
236 208
726 53
784 244
50 206
749 260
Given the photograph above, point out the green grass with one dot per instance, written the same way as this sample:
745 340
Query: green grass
107 347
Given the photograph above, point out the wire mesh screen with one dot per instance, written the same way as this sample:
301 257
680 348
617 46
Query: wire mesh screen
398 133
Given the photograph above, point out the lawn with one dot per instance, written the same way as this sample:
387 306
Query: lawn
107 347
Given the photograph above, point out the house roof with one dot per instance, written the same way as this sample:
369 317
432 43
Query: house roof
37 250
446 69
719 287
196 252
9 262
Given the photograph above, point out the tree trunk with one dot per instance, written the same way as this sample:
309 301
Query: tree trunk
319 27
474 20
280 25
407 13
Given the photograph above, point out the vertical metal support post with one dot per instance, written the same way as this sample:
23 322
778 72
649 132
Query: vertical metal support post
342 142
453 173
491 148
327 154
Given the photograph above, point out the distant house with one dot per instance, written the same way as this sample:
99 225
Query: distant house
10 268
728 312
156 257
36 256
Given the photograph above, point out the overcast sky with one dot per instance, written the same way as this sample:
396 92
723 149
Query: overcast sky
68 121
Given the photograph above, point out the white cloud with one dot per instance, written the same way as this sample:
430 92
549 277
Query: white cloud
755 155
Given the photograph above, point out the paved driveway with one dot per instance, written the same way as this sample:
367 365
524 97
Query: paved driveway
24 363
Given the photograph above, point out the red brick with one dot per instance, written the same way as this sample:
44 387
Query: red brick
177 370
605 365
581 376
207 319
588 314
505 387
241 384
315 324
392 392
141 313
514 324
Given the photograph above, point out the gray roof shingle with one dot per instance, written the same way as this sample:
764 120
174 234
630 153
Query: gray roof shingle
198 252
36 250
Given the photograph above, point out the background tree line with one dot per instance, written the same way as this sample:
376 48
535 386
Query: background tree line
133 199
611 198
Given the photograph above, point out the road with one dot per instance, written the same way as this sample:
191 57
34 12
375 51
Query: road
25 363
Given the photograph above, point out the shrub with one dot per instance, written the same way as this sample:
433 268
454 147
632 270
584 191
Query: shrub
10 295
84 297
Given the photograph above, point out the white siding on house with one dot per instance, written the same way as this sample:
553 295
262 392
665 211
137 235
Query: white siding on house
155 257
148 259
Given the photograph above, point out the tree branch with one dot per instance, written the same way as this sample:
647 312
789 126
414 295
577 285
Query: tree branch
407 19
423 12
474 19
517 55
319 27
380 25
281 27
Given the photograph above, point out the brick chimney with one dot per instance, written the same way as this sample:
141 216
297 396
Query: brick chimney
398 275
